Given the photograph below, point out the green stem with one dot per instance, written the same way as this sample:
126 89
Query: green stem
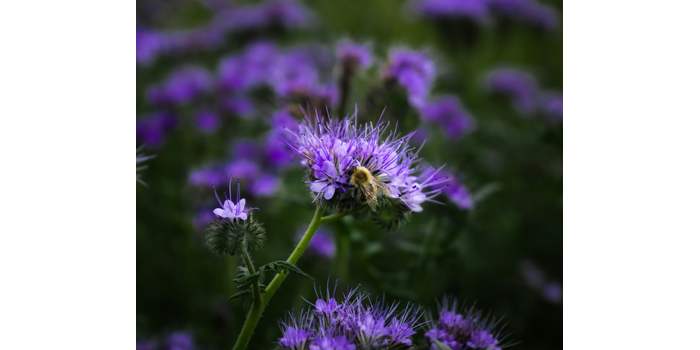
332 217
251 269
257 309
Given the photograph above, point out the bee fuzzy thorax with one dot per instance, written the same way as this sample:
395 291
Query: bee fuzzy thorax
361 176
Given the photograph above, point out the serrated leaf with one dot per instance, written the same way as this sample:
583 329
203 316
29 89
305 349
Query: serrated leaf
281 265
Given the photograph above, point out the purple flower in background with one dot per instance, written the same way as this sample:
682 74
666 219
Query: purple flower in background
455 191
207 121
206 177
353 55
149 45
475 10
519 86
265 185
203 218
180 341
146 345
552 292
361 163
355 322
294 338
536 279
241 106
552 106
152 129
450 115
322 244
249 69
246 149
242 169
295 74
466 329
412 70
526 11
182 86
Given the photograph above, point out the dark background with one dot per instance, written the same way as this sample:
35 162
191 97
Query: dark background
481 256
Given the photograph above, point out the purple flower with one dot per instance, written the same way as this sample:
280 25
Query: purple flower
287 14
353 55
242 169
552 292
332 343
152 129
475 10
181 87
552 106
230 210
455 191
294 338
526 11
180 341
357 321
203 218
147 345
207 121
322 244
450 115
519 86
149 45
361 163
206 177
412 70
265 185
241 106
466 329
249 69
295 74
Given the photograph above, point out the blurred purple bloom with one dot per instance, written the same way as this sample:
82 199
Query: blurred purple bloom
203 218
552 292
342 155
182 86
206 177
450 115
322 245
241 106
207 121
526 11
295 74
552 106
412 70
265 185
519 86
180 341
287 14
242 169
353 55
152 129
246 149
455 191
249 69
149 45
146 345
536 279
475 10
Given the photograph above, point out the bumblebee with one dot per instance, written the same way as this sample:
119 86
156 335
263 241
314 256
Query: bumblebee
368 185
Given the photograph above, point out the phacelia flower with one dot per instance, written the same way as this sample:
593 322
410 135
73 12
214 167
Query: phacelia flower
353 55
526 11
414 71
151 130
355 322
234 229
455 191
230 210
475 10
322 244
180 341
351 165
552 106
519 86
466 329
182 86
207 121
450 115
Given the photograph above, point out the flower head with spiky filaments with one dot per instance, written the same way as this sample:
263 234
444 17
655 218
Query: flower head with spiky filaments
355 322
351 164
463 329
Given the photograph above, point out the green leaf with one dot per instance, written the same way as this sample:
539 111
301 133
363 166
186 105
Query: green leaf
281 265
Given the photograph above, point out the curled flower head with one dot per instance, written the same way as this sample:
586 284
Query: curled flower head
463 329
355 321
353 166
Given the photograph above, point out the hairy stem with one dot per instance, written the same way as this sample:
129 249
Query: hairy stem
251 269
257 309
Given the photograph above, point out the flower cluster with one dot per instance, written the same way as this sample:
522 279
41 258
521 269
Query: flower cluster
352 55
351 164
524 92
529 12
355 322
458 330
286 14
